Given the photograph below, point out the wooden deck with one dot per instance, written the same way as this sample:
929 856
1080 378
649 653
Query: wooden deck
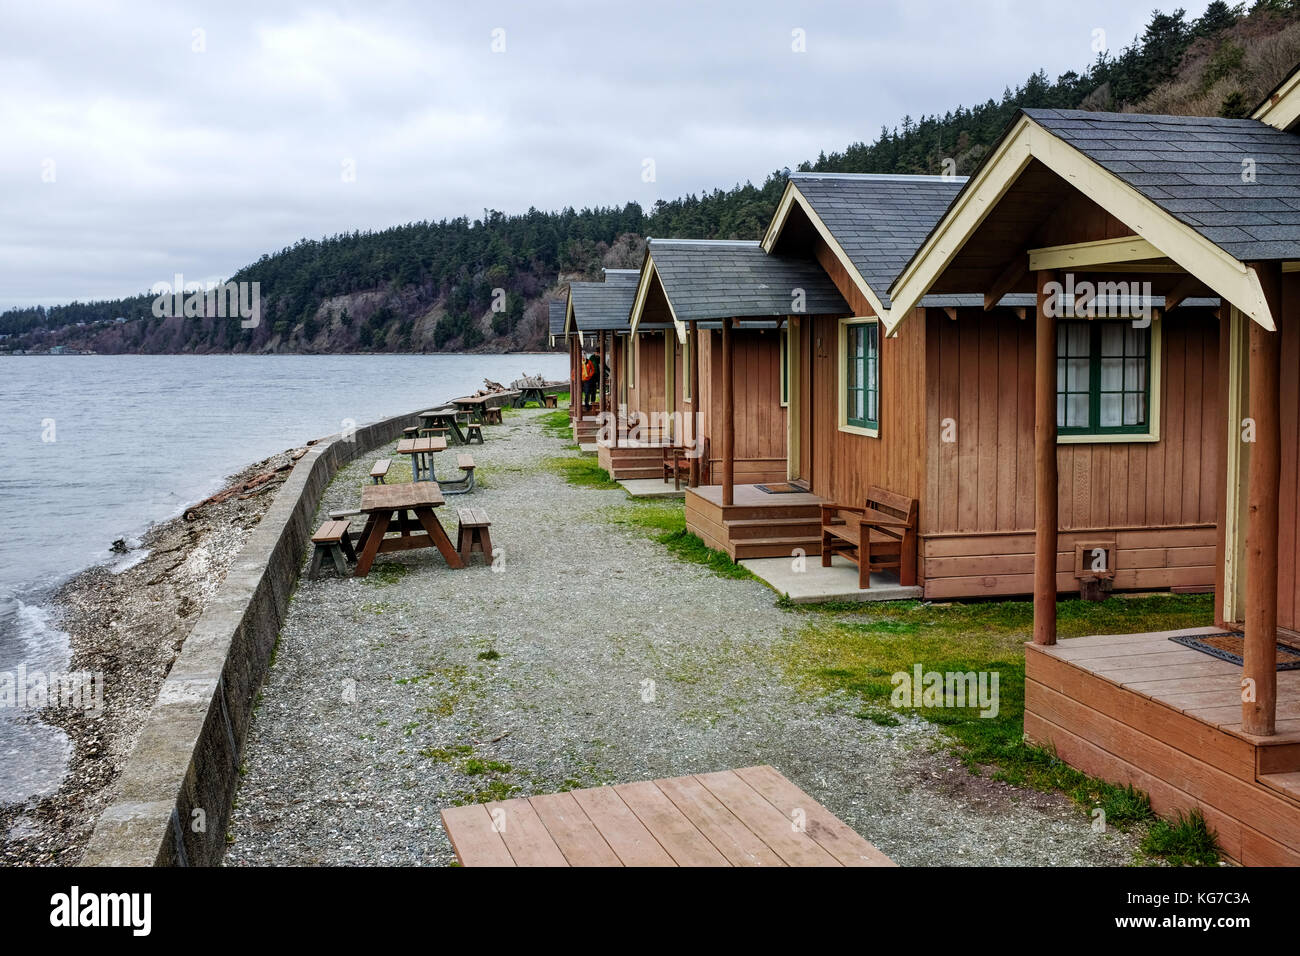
756 524
749 817
1140 709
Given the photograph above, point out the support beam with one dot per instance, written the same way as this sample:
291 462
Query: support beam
1259 666
728 416
1083 255
1015 272
696 403
1185 287
1045 483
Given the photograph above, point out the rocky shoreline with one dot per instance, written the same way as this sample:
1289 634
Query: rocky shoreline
129 625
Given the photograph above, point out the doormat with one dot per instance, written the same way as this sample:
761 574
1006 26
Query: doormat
782 488
1229 646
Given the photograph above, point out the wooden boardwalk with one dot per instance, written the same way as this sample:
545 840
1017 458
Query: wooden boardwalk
749 817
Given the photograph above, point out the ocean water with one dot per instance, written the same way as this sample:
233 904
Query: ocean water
95 448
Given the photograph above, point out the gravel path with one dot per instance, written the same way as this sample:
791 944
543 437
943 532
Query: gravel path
418 687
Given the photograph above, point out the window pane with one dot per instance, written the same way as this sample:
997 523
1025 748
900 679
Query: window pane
1080 338
1135 374
1110 410
1076 411
1112 374
1112 338
1078 374
1060 411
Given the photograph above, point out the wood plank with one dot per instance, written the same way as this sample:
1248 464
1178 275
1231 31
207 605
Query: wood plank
527 838
832 834
625 834
735 841
473 839
769 823
674 831
573 831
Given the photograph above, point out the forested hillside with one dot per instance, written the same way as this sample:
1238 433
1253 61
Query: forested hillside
430 285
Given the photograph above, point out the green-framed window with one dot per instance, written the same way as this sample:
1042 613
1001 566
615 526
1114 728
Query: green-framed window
1103 378
862 375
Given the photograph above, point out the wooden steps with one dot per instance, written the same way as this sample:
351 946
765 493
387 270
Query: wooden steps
757 525
1287 784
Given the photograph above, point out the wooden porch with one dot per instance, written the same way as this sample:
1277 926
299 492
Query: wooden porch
754 524
1167 719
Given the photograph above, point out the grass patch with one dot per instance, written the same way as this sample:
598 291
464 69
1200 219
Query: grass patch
856 648
582 471
489 655
557 424
665 521
446 754
1184 841
388 573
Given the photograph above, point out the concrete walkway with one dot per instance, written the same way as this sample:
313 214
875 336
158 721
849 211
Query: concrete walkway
588 656
805 581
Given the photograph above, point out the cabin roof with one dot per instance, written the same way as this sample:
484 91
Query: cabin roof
602 306
716 279
557 309
878 220
1192 167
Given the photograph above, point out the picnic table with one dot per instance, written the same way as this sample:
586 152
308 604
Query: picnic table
447 418
422 451
538 393
475 404
407 509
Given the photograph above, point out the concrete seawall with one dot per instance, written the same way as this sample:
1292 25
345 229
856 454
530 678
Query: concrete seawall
173 799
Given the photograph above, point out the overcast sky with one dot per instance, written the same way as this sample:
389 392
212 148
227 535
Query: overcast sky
138 140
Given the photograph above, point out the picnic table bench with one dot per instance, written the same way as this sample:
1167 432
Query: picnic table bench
409 510
538 393
748 817
421 451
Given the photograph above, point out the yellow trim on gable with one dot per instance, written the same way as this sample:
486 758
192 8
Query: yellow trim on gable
1226 276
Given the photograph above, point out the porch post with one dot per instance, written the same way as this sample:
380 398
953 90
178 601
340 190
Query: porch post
600 374
696 402
1259 665
1045 484
616 381
728 417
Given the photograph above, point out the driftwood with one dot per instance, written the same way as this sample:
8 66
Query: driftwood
240 488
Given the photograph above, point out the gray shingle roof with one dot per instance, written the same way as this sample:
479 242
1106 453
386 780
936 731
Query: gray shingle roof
557 309
1191 167
717 279
602 305
878 220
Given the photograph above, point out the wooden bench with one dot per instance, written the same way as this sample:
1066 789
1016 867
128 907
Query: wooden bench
677 463
473 534
552 401
474 431
380 471
412 432
492 416
880 535
332 539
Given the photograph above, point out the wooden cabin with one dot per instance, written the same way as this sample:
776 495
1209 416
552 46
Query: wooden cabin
559 338
1201 719
706 313
938 409
595 319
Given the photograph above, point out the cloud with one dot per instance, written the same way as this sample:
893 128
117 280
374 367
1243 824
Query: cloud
184 138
